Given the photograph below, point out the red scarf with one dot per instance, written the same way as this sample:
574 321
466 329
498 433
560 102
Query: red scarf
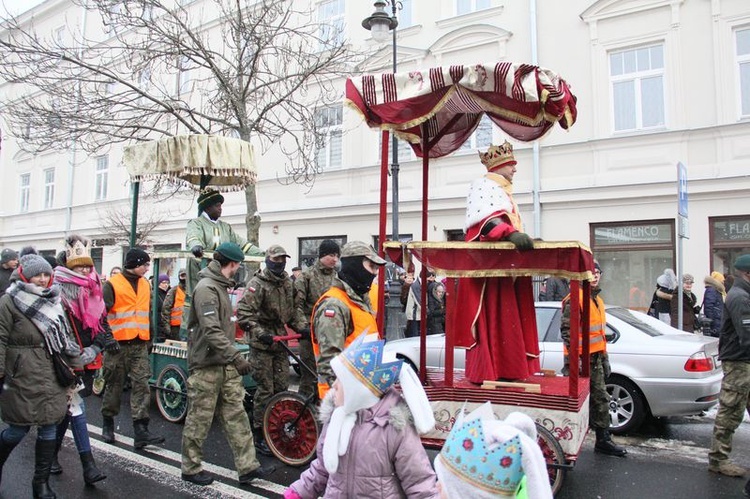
82 296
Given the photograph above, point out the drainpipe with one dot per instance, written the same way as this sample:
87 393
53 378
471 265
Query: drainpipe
536 185
73 148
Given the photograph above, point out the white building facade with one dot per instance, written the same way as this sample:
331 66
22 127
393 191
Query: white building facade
658 82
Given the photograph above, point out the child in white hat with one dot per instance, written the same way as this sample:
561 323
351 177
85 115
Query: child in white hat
369 446
484 457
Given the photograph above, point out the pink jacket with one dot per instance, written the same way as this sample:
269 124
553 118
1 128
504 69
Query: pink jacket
385 458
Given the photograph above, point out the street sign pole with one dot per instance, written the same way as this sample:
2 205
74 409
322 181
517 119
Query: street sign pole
683 232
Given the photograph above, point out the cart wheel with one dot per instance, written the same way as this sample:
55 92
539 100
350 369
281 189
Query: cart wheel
98 386
290 428
553 455
171 393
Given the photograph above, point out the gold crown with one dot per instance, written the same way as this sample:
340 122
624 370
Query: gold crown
77 251
498 156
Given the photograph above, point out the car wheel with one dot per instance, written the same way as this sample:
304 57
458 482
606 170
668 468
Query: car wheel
627 406
409 363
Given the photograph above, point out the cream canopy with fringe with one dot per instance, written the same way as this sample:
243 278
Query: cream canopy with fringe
199 161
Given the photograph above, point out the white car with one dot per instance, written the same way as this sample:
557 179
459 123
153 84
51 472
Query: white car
656 369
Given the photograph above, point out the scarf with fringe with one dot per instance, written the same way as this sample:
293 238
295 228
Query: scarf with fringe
83 297
43 308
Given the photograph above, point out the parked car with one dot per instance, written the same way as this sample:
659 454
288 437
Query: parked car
656 369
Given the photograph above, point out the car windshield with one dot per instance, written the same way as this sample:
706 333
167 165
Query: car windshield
626 316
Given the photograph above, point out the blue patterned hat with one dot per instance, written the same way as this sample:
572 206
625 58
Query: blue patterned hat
496 469
364 358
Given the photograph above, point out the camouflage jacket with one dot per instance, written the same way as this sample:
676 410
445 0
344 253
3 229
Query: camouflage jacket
332 324
310 286
267 306
210 326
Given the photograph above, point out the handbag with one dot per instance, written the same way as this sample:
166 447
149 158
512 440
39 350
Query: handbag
66 376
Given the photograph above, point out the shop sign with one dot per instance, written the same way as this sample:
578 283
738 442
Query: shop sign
732 230
633 234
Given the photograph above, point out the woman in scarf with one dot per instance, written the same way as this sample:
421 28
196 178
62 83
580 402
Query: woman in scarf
82 299
33 329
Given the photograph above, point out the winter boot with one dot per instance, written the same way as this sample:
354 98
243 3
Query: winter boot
605 445
62 427
91 473
726 467
5 450
260 442
142 436
45 449
258 473
108 429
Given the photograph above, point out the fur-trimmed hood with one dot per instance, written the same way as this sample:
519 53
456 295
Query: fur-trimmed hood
391 409
714 283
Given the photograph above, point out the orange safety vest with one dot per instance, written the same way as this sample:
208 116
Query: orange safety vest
373 295
176 314
361 320
128 317
597 325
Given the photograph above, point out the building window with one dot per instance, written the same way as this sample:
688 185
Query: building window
329 122
331 19
743 63
102 178
481 139
637 77
49 188
455 235
405 152
184 80
25 189
633 255
469 6
308 249
729 238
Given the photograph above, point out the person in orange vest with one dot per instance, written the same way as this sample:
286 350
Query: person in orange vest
171 311
127 299
343 312
600 369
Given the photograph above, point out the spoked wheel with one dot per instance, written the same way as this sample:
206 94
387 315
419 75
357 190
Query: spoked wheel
290 428
171 393
553 456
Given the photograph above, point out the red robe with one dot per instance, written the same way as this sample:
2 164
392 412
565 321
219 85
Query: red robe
497 319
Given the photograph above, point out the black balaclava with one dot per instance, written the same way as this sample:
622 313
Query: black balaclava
276 268
354 273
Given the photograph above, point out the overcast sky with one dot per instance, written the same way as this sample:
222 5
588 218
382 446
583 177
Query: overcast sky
16 7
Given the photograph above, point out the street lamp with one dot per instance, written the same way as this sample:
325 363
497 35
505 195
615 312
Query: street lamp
379 24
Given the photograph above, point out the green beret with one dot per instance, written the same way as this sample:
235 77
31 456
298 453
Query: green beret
231 251
743 263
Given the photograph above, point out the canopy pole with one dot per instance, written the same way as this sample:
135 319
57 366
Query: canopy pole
380 316
136 186
423 273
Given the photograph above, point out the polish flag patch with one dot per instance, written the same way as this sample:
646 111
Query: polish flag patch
329 312
251 289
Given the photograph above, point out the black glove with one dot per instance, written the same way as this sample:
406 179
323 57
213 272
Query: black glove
521 240
266 339
242 365
197 250
100 341
304 333
112 345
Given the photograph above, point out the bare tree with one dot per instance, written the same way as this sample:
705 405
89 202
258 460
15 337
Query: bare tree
116 225
253 69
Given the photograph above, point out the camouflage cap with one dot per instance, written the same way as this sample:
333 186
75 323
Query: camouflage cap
358 248
276 250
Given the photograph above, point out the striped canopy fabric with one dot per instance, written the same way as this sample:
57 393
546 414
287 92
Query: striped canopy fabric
524 100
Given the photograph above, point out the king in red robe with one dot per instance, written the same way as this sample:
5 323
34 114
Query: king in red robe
497 319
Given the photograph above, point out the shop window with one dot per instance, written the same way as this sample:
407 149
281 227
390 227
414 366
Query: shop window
729 238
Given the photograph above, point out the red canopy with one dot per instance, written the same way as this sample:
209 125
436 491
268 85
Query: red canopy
523 100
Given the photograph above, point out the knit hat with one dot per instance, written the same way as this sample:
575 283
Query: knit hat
743 263
329 247
78 252
358 248
366 372
231 251
32 265
484 457
208 197
276 250
718 276
136 257
163 278
688 278
8 255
